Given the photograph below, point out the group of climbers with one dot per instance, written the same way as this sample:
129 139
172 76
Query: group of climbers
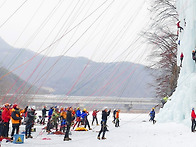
13 113
182 55
64 117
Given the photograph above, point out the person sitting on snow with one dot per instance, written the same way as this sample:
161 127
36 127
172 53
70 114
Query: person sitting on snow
193 116
152 116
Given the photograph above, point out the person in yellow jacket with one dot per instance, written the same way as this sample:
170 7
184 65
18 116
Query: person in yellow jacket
16 119
117 118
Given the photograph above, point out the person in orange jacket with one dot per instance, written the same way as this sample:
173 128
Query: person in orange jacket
193 116
117 118
16 119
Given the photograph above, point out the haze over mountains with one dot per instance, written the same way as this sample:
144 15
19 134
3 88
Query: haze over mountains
78 76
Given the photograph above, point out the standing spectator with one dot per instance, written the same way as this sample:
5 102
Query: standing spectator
6 115
44 110
55 117
29 122
95 116
117 118
69 119
105 114
63 116
114 116
78 117
16 119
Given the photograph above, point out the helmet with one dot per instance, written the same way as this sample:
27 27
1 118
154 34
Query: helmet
15 105
6 104
153 108
33 107
104 108
78 108
192 108
84 109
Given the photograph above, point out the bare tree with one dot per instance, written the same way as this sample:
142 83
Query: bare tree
162 36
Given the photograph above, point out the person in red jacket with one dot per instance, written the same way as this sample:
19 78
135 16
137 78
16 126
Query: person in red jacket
6 115
193 116
178 25
95 116
181 58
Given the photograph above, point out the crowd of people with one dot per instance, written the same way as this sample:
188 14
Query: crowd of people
57 119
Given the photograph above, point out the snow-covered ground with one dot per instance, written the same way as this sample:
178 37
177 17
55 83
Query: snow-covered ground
135 131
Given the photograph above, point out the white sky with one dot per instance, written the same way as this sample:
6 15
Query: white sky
39 22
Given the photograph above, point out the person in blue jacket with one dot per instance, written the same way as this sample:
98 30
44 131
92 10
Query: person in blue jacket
152 116
49 124
50 113
85 118
78 117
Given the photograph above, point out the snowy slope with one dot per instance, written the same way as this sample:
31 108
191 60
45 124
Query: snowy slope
184 98
135 131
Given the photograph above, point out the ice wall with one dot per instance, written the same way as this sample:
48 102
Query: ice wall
184 98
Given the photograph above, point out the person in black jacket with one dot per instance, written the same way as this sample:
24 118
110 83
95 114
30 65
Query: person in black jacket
29 122
105 114
43 115
114 116
69 119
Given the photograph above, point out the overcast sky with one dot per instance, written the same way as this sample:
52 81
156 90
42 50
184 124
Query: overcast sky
101 30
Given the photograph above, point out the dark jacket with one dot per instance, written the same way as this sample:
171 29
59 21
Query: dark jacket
69 118
30 117
105 115
44 112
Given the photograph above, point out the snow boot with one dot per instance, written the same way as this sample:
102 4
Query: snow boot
30 136
103 138
98 137
66 139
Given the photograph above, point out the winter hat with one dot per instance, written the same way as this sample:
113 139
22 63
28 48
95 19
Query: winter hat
15 105
192 108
